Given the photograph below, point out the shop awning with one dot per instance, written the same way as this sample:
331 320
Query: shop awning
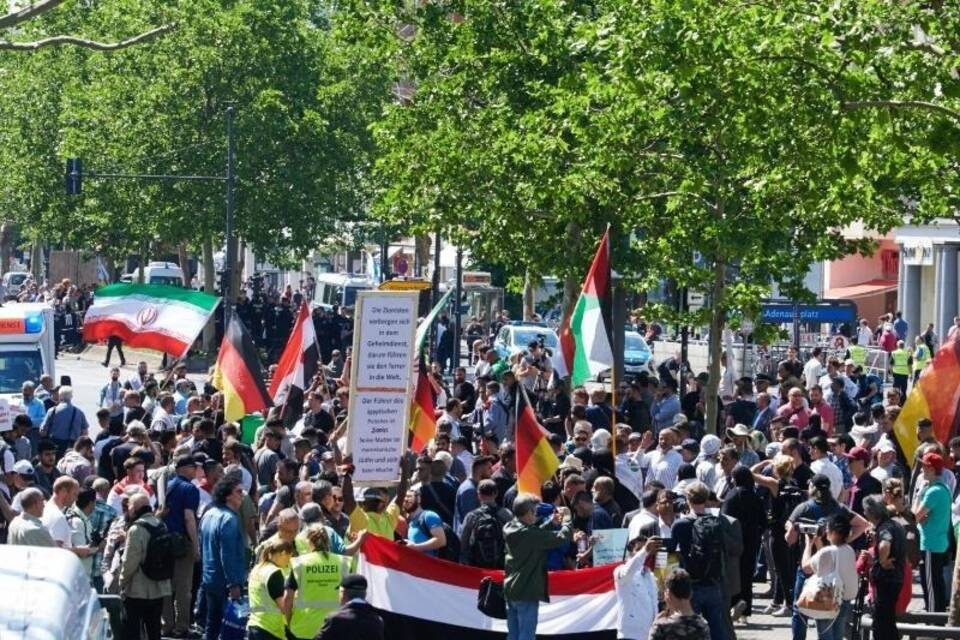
862 290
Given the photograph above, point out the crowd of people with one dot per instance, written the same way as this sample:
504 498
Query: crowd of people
801 483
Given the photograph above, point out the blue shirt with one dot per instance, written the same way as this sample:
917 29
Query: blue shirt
663 412
599 416
555 557
419 528
64 422
900 327
222 549
467 500
35 411
181 495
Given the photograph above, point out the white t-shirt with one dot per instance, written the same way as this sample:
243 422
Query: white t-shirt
56 523
824 561
864 336
832 471
812 372
636 590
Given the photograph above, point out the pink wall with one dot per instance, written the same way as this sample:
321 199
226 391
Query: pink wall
857 268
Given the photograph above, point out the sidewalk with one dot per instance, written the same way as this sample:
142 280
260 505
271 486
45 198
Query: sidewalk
97 353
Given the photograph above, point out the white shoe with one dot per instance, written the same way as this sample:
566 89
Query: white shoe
770 608
782 612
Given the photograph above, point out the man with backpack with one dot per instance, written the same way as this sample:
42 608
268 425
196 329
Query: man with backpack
699 538
143 581
481 540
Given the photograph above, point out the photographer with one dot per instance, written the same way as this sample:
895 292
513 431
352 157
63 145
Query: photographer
535 369
805 519
826 553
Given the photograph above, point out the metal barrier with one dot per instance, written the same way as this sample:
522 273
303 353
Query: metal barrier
914 625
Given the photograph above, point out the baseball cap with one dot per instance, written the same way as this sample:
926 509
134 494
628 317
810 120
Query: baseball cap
934 460
858 453
184 461
710 445
820 481
885 446
23 468
690 445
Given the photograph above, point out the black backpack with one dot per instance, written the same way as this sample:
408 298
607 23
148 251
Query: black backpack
449 551
163 549
487 545
704 562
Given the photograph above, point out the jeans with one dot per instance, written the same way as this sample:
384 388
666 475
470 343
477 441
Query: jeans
885 609
834 629
708 600
522 618
215 600
798 622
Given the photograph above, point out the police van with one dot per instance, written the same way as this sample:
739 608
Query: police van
26 346
49 597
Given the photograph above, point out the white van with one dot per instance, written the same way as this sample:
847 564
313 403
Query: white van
12 282
168 273
49 597
26 347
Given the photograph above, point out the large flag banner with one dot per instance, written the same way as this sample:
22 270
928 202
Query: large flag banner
153 316
585 347
536 461
935 396
423 422
238 374
440 593
298 365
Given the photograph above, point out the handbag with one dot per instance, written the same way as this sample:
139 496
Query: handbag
235 616
821 596
490 599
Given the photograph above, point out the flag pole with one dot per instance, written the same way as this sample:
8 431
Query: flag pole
613 369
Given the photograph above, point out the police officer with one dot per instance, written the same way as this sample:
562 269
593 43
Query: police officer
265 588
256 318
921 355
312 584
356 618
900 361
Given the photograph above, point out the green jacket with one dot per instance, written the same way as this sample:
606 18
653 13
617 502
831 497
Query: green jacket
525 566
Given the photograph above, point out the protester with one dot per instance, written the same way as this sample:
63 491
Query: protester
827 554
142 595
525 584
223 552
356 618
679 621
27 528
636 589
932 510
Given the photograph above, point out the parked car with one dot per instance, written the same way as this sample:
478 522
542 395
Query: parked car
12 282
515 337
637 356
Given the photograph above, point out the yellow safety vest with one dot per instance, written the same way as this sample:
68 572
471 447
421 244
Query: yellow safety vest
921 357
901 362
858 354
318 578
264 612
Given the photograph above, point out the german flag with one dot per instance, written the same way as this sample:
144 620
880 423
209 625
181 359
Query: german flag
423 423
238 374
536 461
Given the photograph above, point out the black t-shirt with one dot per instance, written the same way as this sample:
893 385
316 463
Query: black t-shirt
865 485
802 476
891 532
439 497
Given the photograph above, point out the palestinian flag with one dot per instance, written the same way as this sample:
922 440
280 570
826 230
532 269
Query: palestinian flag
153 316
296 368
420 596
536 460
238 374
585 345
423 421
935 396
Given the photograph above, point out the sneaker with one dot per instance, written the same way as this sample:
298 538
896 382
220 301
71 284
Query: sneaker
738 610
770 608
782 612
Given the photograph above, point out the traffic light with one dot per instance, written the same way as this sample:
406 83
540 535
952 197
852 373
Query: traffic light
74 176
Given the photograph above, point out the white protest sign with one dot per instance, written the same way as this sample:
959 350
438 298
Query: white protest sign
380 378
609 545
6 416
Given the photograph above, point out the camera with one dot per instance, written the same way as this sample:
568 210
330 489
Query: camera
809 528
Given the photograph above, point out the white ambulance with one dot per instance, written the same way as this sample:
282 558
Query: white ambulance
26 346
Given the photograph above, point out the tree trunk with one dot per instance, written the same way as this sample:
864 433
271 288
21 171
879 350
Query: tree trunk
184 259
571 290
209 284
236 270
529 288
143 262
7 234
422 245
717 321
36 261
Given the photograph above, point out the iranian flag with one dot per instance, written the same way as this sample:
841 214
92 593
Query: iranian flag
154 316
585 347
